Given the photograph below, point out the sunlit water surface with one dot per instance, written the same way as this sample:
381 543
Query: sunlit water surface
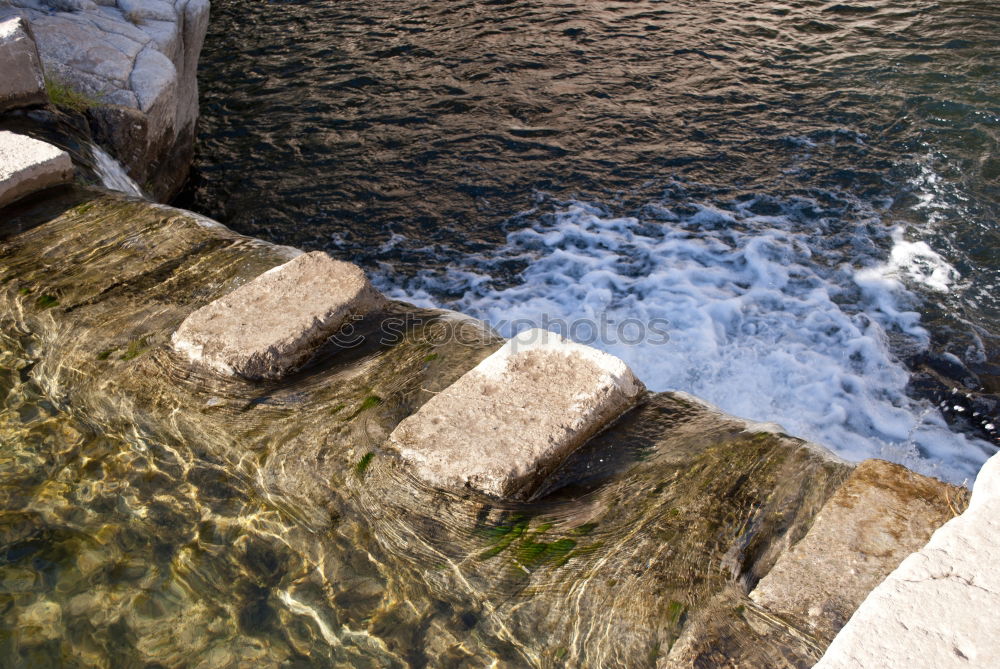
801 197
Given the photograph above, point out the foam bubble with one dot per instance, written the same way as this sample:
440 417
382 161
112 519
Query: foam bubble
753 319
913 261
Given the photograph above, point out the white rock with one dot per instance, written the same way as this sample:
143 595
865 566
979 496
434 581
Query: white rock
935 610
504 426
22 83
28 165
271 325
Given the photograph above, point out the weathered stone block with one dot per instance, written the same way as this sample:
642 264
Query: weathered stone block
273 324
510 421
28 165
935 610
882 513
23 82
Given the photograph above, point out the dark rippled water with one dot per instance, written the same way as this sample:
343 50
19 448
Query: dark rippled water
857 142
805 193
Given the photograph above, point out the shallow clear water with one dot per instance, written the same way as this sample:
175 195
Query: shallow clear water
153 514
803 196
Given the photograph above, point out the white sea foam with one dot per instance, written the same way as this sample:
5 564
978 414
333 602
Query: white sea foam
757 324
916 262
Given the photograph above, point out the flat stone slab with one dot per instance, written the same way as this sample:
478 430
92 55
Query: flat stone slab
273 324
22 83
509 422
935 611
881 514
29 165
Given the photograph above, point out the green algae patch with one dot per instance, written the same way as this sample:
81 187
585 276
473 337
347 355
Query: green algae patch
503 535
361 466
527 548
136 347
46 301
66 97
369 402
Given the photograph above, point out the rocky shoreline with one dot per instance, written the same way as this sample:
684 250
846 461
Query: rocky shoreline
756 549
130 70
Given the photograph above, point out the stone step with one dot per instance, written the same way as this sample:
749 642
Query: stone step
865 528
22 83
936 609
881 514
509 422
29 165
273 324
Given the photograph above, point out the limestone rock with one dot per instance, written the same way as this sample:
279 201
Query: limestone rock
881 514
934 611
28 165
23 83
271 325
510 421
138 54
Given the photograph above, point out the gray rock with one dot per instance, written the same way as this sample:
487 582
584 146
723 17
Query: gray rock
271 325
23 83
936 610
509 422
28 165
138 11
194 24
69 5
154 81
882 513
141 54
69 45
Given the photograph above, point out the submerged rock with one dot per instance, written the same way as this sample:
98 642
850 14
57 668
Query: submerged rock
934 610
881 514
640 549
28 165
23 83
630 539
271 325
508 423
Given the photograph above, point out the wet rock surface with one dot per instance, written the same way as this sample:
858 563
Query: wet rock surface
271 515
881 514
928 612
